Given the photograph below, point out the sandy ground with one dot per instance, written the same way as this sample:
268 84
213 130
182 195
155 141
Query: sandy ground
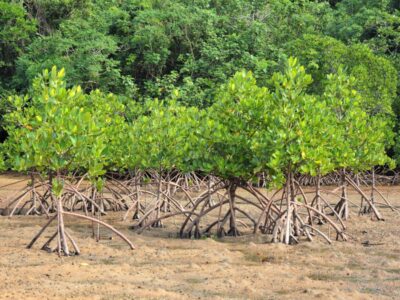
164 267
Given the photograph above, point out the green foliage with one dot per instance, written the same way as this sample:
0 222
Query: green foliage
249 129
185 50
197 46
82 48
355 20
55 129
16 31
240 111
362 138
159 138
300 134
146 47
50 13
376 77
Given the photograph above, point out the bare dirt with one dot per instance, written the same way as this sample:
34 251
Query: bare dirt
165 267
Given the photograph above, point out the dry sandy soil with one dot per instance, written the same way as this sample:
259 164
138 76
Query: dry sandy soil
164 267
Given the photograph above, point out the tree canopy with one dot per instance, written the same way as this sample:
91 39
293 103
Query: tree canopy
143 50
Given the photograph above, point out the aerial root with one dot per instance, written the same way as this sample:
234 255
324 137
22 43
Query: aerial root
288 216
227 208
62 236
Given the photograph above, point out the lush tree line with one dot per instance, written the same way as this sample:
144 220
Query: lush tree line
249 129
230 90
141 50
279 129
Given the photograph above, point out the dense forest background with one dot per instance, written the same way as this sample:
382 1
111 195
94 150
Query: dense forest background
145 49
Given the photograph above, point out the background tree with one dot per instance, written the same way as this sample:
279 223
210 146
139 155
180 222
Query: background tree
82 47
15 35
376 77
143 50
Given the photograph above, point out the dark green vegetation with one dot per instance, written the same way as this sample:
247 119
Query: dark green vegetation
198 87
146 49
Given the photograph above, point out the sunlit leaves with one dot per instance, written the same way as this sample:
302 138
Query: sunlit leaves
56 129
249 129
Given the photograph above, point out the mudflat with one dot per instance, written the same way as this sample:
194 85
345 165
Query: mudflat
166 267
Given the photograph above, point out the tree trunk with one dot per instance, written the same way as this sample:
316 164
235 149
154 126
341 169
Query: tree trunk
372 190
137 190
158 200
233 231
342 208
62 240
